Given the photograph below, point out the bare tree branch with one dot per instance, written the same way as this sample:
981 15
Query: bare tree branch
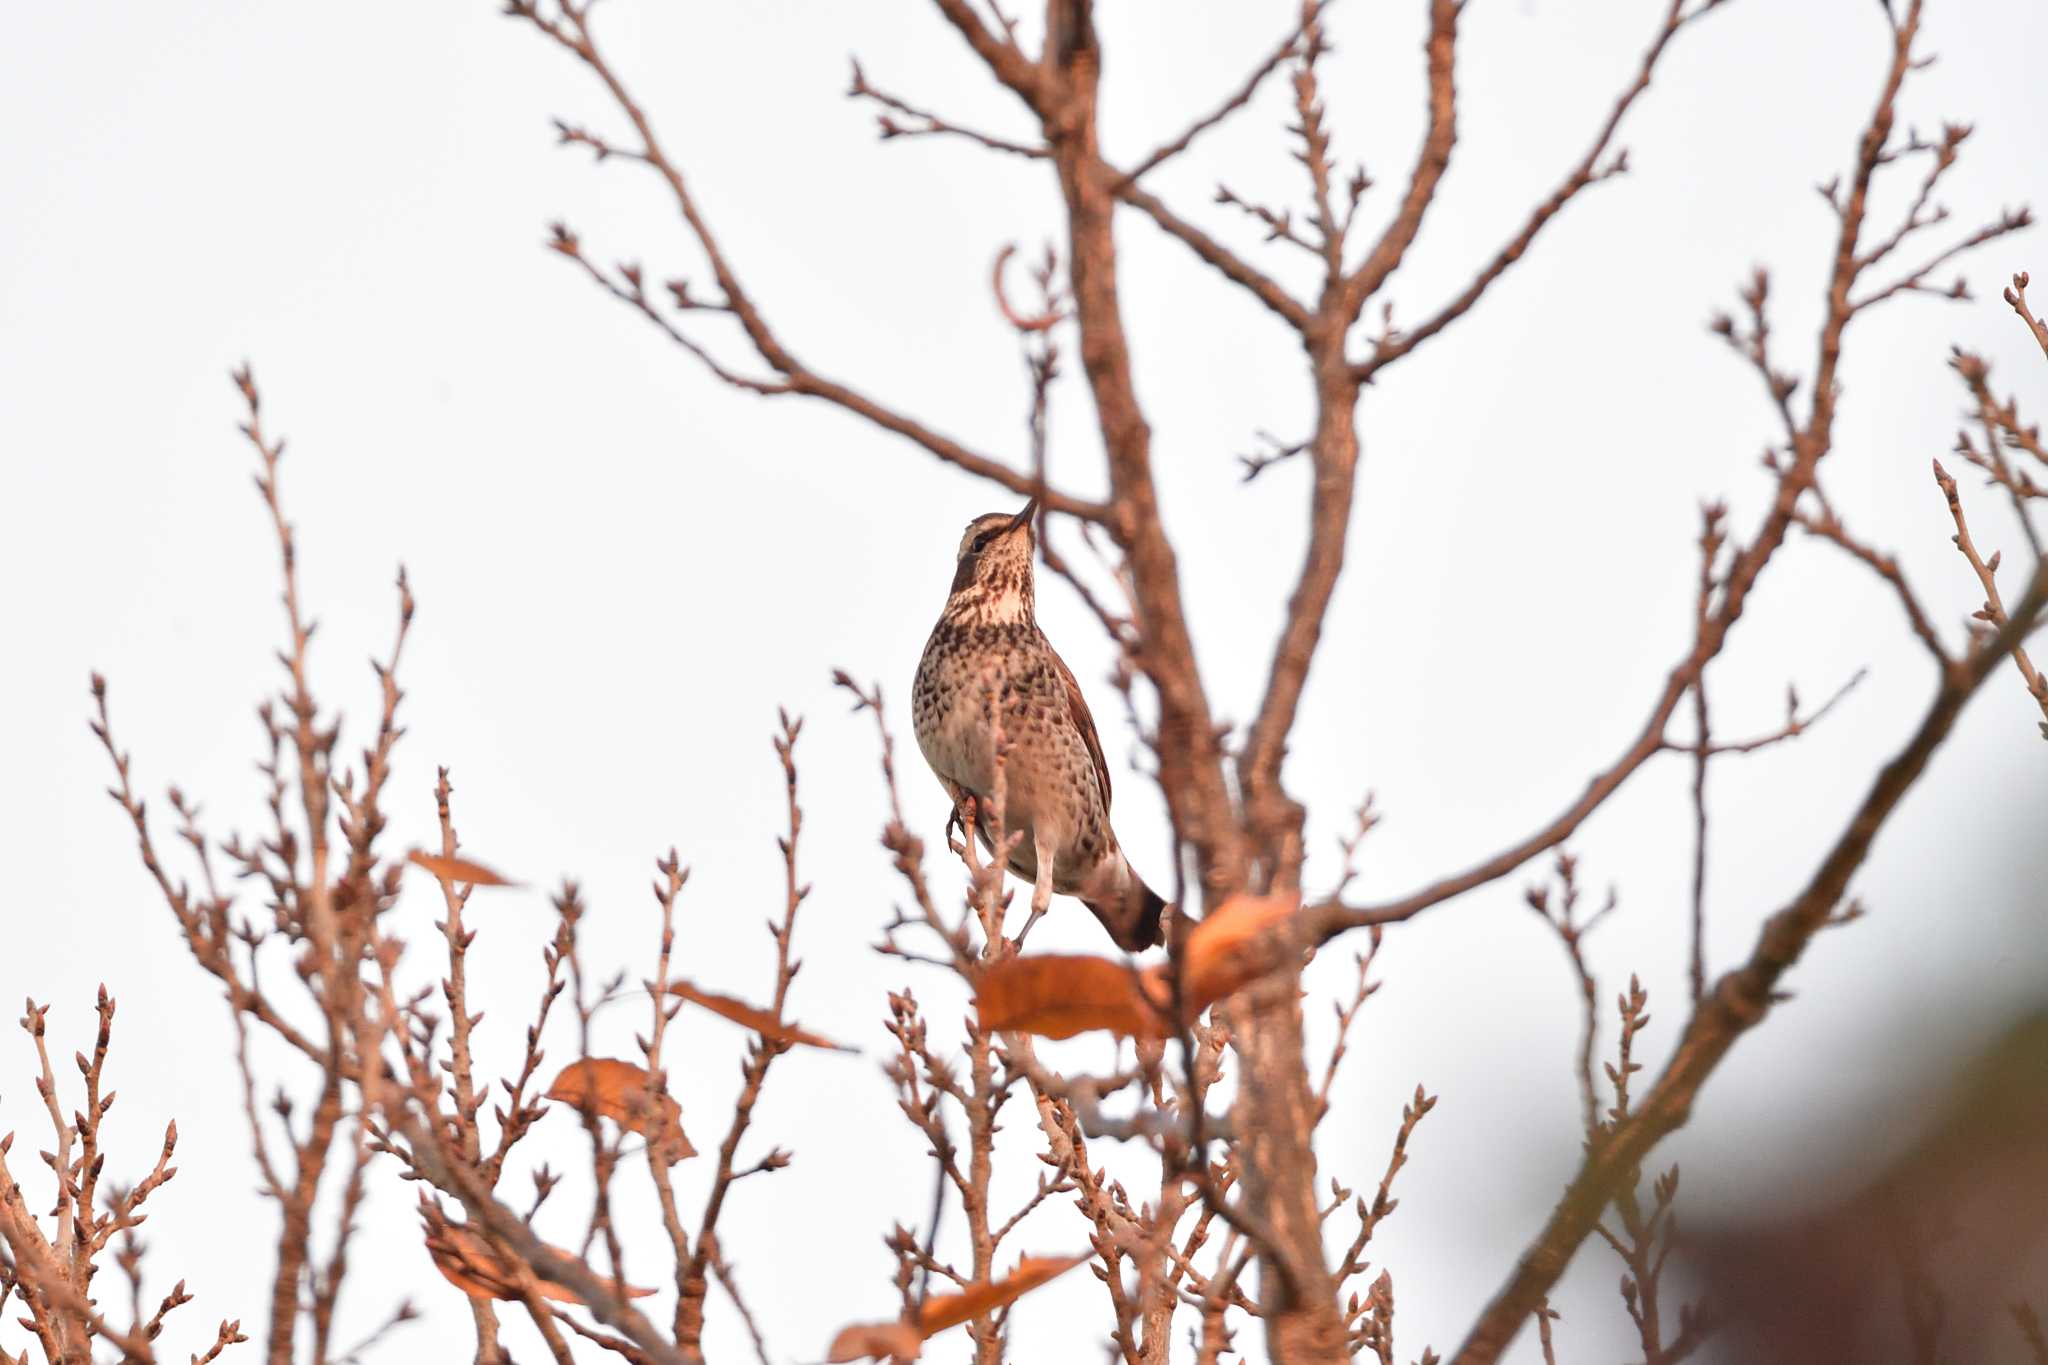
1739 1001
1589 170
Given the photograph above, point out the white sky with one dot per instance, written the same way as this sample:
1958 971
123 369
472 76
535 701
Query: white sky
623 569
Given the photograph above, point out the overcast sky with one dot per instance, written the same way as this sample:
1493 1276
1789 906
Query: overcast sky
623 569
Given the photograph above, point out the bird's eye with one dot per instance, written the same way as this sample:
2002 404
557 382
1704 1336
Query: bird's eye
981 541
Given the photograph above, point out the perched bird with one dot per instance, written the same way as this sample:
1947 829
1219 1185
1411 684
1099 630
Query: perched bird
987 646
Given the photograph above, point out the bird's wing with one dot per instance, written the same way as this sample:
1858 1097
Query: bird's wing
1077 708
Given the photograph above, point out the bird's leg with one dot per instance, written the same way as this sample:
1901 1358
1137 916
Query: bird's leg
1045 849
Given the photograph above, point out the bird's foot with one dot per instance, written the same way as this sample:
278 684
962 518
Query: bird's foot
960 818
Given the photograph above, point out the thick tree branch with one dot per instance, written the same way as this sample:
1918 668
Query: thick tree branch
1001 55
1191 755
1435 158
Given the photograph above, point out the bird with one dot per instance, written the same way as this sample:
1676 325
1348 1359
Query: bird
987 647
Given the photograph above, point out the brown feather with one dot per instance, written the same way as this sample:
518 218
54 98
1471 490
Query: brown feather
1077 708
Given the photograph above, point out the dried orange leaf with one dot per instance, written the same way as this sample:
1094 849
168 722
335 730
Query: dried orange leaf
1232 948
759 1020
985 1296
467 1262
450 868
620 1092
473 1265
876 1341
1057 995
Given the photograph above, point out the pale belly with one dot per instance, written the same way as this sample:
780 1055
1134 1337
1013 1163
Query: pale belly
1050 786
1045 789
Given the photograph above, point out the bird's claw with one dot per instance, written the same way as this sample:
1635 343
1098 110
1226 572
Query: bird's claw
960 818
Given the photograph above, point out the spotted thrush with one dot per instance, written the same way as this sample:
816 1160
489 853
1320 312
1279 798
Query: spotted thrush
987 659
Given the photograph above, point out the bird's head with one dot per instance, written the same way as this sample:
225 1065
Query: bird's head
993 568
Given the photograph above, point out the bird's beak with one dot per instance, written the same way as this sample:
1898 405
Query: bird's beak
1023 518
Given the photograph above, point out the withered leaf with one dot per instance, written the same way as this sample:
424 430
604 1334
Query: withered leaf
454 868
1229 950
876 1341
619 1091
1057 995
469 1262
759 1020
982 1296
